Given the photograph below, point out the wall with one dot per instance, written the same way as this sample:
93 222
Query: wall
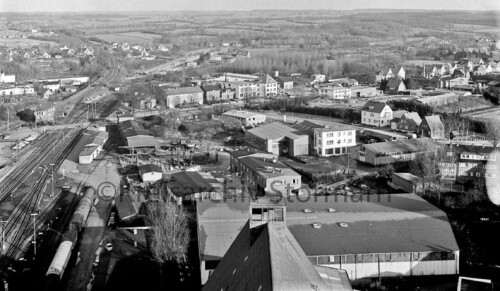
299 146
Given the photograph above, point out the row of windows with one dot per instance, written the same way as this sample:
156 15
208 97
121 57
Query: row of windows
475 165
339 133
390 257
478 157
477 174
330 142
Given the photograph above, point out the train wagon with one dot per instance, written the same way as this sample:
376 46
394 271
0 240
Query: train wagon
61 259
82 211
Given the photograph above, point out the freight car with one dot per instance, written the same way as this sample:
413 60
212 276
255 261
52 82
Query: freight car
70 237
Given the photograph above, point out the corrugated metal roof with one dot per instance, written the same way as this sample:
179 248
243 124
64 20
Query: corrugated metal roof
241 114
405 145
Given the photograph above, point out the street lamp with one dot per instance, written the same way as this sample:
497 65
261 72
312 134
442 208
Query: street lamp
3 222
34 215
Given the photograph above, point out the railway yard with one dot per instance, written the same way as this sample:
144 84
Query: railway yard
39 200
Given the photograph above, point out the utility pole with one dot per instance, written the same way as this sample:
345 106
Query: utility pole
52 178
34 215
8 119
3 222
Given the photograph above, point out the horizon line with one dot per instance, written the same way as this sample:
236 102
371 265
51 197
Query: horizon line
246 10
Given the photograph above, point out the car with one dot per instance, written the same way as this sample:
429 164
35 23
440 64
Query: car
109 247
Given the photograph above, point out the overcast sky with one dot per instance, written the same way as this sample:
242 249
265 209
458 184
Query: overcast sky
176 5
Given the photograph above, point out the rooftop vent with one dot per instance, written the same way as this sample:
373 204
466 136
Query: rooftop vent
331 210
343 224
307 210
316 225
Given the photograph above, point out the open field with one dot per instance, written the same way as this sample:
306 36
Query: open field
23 42
130 37
489 115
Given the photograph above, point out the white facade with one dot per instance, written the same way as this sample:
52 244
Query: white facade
246 118
405 264
244 89
377 119
269 89
336 92
334 142
151 176
7 78
19 90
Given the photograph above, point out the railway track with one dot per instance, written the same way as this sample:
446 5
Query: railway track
79 111
41 149
19 228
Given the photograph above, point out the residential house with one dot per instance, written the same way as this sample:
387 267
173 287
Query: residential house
376 114
385 153
227 93
285 83
318 78
184 95
211 93
243 90
44 113
480 70
45 93
245 117
409 122
51 85
396 116
395 86
475 163
333 233
278 139
125 47
150 173
391 73
268 86
432 127
333 141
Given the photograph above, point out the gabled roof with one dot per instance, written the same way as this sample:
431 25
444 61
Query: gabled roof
380 224
394 83
373 106
275 130
206 88
413 116
148 168
398 113
266 79
269 258
434 122
186 183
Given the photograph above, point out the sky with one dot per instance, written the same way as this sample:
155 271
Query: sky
204 5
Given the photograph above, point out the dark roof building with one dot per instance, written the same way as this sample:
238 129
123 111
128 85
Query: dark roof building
269 258
364 235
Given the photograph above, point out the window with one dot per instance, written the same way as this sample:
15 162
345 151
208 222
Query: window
256 214
349 140
478 174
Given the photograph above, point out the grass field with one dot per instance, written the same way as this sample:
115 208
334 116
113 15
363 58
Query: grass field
129 37
490 115
22 42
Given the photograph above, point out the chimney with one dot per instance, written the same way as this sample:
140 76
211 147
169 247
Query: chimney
284 118
276 73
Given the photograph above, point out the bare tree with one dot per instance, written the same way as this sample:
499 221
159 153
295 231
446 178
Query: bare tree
433 169
492 132
170 233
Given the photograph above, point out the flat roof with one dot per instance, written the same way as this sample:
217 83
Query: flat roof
387 223
241 114
405 145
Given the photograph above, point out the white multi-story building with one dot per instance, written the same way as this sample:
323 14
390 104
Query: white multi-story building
336 92
376 114
268 86
244 89
333 141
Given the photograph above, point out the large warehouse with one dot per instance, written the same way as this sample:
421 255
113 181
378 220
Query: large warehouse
135 136
365 235
278 139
